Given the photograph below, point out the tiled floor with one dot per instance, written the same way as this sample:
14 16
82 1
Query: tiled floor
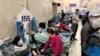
75 49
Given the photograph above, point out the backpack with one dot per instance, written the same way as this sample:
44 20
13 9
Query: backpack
93 48
85 44
92 40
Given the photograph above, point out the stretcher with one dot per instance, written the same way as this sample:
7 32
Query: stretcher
65 36
42 38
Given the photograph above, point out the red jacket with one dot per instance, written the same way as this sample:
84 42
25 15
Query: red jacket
63 27
55 44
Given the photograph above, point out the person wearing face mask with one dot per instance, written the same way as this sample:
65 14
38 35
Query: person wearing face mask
62 15
75 20
18 44
54 42
33 44
16 48
86 31
88 28
20 48
37 41
96 23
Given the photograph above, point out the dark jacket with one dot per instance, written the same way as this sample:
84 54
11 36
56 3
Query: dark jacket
86 31
62 16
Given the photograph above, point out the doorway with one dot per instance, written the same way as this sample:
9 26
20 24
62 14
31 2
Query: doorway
54 8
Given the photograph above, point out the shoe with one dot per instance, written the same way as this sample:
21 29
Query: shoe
67 54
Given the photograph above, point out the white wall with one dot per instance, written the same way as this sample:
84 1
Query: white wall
9 9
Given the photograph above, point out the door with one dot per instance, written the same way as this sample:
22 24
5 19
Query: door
54 9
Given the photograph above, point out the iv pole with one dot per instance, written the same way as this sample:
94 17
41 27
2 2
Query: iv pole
29 26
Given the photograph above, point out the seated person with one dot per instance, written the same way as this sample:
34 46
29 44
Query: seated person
37 41
16 48
54 42
33 44
51 23
63 27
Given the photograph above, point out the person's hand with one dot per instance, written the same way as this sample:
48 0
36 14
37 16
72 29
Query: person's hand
99 31
42 50
32 32
34 53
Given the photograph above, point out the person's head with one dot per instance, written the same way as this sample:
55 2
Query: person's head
94 16
63 22
76 11
94 13
27 33
87 13
17 41
51 31
58 13
62 10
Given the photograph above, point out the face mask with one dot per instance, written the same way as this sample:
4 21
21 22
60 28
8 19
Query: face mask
20 42
96 23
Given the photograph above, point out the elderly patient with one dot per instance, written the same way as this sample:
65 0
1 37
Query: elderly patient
17 48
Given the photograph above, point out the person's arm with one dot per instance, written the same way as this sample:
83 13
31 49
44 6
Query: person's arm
76 17
47 44
34 53
84 34
67 28
58 46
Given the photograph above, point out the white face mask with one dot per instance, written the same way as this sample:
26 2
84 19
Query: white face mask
20 42
96 23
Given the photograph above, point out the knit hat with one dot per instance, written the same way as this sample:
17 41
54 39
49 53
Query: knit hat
95 11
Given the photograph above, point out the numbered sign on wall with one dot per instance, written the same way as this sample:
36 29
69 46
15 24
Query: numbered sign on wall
24 16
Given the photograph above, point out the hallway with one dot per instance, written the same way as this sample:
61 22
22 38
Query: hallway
75 49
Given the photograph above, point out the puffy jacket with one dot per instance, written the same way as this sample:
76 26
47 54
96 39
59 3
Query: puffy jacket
8 51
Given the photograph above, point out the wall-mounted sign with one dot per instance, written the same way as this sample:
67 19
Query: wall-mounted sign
72 7
24 16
